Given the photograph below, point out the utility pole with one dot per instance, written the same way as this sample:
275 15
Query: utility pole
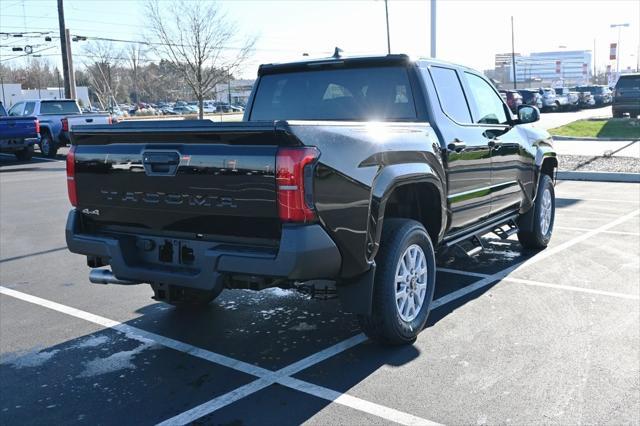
433 28
386 11
63 47
513 56
72 75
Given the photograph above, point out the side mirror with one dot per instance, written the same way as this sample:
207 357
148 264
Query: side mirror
528 114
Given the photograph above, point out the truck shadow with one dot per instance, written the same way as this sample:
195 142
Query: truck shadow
109 378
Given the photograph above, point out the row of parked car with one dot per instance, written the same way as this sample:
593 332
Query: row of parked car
174 108
559 98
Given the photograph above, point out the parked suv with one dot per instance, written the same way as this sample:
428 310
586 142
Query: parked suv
549 100
601 94
345 174
572 97
513 98
626 96
531 97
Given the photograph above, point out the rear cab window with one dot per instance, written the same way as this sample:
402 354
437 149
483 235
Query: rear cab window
350 94
450 94
59 107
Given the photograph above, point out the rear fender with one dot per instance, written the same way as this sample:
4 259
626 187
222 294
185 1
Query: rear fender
388 180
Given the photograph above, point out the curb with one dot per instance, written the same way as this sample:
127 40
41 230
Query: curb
599 176
585 138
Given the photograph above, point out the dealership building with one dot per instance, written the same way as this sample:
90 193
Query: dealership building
561 67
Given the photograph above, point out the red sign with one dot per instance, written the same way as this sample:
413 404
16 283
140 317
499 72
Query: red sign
613 50
558 65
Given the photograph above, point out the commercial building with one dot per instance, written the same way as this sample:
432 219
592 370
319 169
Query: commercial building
563 67
12 93
240 91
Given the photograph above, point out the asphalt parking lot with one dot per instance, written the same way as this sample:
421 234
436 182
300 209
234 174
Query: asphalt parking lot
514 338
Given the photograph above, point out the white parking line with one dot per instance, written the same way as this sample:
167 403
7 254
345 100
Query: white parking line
267 377
602 200
489 279
572 228
542 284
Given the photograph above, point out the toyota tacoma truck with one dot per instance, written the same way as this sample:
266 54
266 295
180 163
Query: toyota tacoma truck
345 172
56 117
18 135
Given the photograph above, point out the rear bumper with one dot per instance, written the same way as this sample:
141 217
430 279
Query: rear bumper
305 253
11 145
629 107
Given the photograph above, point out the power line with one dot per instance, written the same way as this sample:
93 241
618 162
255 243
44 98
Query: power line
28 54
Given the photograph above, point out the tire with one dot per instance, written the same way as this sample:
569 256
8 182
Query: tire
543 213
48 147
388 322
618 114
25 154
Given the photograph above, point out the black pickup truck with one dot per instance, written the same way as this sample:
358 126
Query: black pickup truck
348 172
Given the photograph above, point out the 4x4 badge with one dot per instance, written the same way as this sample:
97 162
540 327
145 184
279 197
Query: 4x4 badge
95 212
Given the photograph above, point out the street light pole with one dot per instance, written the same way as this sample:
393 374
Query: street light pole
386 11
433 28
513 56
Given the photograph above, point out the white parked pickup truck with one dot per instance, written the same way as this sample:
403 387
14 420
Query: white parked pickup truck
56 117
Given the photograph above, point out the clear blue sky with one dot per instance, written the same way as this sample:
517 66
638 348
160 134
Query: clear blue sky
469 31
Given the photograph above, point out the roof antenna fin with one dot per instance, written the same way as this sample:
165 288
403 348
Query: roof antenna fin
337 52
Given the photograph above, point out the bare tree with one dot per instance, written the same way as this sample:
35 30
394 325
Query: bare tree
102 67
136 55
196 38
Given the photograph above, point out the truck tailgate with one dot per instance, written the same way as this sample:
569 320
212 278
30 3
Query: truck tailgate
18 127
196 179
85 119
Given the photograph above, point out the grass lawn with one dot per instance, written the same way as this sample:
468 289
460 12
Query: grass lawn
611 128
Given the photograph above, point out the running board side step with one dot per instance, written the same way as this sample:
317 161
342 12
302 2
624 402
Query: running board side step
471 244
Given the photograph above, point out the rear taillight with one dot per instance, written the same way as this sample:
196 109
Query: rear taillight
65 124
71 176
109 120
38 126
294 177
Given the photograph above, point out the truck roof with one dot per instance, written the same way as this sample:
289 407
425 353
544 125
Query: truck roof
352 61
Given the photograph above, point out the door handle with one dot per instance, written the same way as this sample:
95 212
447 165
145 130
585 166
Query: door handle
457 145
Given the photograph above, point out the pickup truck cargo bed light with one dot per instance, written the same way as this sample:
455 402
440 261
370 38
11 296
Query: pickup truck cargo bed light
71 176
293 197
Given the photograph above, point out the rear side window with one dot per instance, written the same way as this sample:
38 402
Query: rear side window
628 83
450 94
29 108
59 107
490 108
359 94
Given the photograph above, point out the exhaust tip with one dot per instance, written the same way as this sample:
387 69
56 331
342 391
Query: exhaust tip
105 276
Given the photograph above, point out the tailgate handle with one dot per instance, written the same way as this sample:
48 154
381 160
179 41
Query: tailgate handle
160 163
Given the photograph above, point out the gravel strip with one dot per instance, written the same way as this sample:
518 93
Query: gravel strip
585 163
